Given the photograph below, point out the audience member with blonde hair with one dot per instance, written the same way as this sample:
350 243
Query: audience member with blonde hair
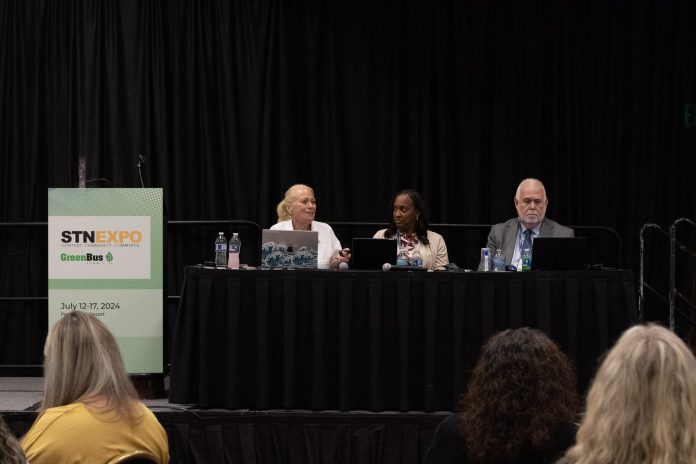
10 451
641 407
90 410
296 212
519 407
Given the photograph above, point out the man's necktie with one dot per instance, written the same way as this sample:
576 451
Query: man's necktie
527 240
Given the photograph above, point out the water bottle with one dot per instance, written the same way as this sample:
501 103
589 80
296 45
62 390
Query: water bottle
402 257
233 249
498 261
221 251
485 264
416 258
526 259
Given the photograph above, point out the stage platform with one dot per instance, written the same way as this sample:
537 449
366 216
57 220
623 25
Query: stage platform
261 436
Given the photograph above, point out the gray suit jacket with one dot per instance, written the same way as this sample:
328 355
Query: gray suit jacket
503 235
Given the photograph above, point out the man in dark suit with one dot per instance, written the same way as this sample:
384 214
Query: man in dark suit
511 236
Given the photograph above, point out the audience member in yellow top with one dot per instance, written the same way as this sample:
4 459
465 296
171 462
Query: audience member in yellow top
90 410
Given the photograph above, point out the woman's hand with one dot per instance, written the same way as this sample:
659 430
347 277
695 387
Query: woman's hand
343 255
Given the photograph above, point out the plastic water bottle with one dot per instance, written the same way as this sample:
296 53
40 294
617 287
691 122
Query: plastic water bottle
233 250
498 261
221 251
526 259
402 257
485 265
416 258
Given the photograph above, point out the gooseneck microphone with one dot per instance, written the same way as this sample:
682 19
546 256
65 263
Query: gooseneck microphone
142 161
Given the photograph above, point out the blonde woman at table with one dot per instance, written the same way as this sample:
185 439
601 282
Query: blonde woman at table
409 226
296 212
90 410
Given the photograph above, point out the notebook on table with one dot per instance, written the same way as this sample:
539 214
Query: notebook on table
560 254
289 249
372 253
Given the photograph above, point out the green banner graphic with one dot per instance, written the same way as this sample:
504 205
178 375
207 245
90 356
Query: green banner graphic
105 257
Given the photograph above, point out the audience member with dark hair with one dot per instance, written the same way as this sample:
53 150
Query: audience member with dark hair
641 408
409 225
10 451
90 410
519 406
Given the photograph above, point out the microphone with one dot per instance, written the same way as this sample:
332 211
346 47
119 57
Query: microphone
142 161
386 267
343 267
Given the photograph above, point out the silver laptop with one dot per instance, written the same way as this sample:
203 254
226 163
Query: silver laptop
289 249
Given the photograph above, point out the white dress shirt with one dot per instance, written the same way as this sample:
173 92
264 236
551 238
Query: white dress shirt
517 255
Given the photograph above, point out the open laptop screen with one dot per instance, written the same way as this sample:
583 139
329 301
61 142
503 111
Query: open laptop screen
559 254
289 249
372 253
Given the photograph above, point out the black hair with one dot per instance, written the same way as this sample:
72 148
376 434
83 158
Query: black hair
421 217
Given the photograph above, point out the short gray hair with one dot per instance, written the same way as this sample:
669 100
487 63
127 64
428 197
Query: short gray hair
529 179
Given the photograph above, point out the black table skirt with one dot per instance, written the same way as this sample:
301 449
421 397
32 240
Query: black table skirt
403 341
272 437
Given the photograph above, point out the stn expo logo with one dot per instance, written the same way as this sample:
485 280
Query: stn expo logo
101 236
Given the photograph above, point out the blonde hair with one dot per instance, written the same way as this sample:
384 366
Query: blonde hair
282 208
83 364
641 407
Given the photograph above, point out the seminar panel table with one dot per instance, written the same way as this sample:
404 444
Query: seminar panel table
404 341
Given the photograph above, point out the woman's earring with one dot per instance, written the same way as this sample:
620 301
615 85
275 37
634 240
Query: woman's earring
417 216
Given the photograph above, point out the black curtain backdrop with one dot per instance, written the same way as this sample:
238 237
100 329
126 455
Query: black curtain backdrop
233 101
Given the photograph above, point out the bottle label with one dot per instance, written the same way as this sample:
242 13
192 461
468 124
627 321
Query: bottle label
233 261
526 264
219 247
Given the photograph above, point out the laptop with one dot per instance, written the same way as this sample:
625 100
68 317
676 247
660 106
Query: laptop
559 254
289 249
372 253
